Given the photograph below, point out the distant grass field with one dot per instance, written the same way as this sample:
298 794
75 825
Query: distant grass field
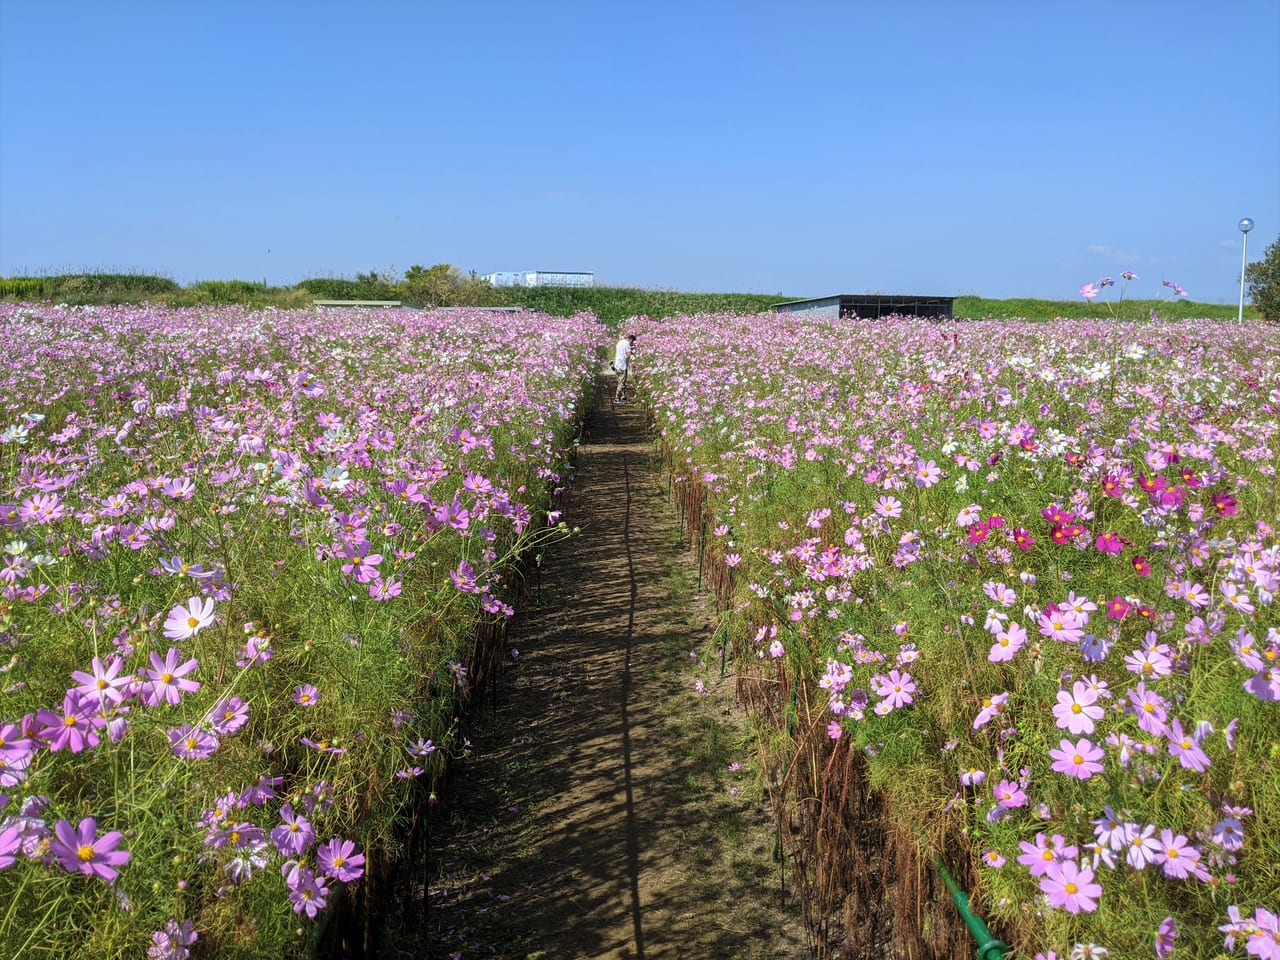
610 304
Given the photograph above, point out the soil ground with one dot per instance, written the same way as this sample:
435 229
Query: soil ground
599 815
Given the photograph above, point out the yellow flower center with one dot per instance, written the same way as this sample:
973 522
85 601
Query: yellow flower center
192 623
84 853
1070 887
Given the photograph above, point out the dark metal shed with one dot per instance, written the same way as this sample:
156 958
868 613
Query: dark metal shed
869 306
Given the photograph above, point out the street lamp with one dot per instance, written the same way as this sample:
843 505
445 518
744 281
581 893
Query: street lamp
1245 226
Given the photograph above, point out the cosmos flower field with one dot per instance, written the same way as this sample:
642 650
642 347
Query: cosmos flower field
245 560
1028 572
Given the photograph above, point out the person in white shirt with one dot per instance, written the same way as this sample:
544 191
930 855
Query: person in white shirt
621 363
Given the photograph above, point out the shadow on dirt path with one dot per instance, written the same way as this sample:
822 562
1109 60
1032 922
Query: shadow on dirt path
598 815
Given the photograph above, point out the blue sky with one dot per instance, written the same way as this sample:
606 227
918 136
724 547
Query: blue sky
1003 149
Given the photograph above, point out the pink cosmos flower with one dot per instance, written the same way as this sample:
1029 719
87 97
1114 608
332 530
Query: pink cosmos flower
889 507
896 688
187 621
991 707
1089 290
1118 608
1009 794
1008 642
927 473
1071 886
1038 856
1077 709
1149 707
338 859
1061 624
80 849
1080 759
1176 856
166 680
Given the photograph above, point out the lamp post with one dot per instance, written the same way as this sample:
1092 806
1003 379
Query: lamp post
1245 226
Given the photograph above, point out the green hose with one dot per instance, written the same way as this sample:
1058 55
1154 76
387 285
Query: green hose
989 948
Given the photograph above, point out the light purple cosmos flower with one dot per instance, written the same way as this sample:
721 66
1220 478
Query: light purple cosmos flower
229 715
192 743
308 894
172 942
1149 707
80 849
10 843
1166 933
104 683
1184 747
305 695
1038 856
294 834
1141 846
1228 833
338 859
75 728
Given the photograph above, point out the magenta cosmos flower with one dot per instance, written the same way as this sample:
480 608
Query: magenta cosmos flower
81 849
1071 887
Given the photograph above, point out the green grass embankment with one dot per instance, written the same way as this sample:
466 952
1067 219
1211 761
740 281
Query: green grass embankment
610 304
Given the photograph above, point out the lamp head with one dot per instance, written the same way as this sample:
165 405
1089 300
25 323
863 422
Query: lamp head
1245 225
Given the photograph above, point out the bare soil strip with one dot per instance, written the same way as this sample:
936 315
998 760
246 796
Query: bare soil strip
599 816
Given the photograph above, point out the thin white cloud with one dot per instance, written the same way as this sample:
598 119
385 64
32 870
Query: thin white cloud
1124 258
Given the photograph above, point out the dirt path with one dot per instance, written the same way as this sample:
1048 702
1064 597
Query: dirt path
599 815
